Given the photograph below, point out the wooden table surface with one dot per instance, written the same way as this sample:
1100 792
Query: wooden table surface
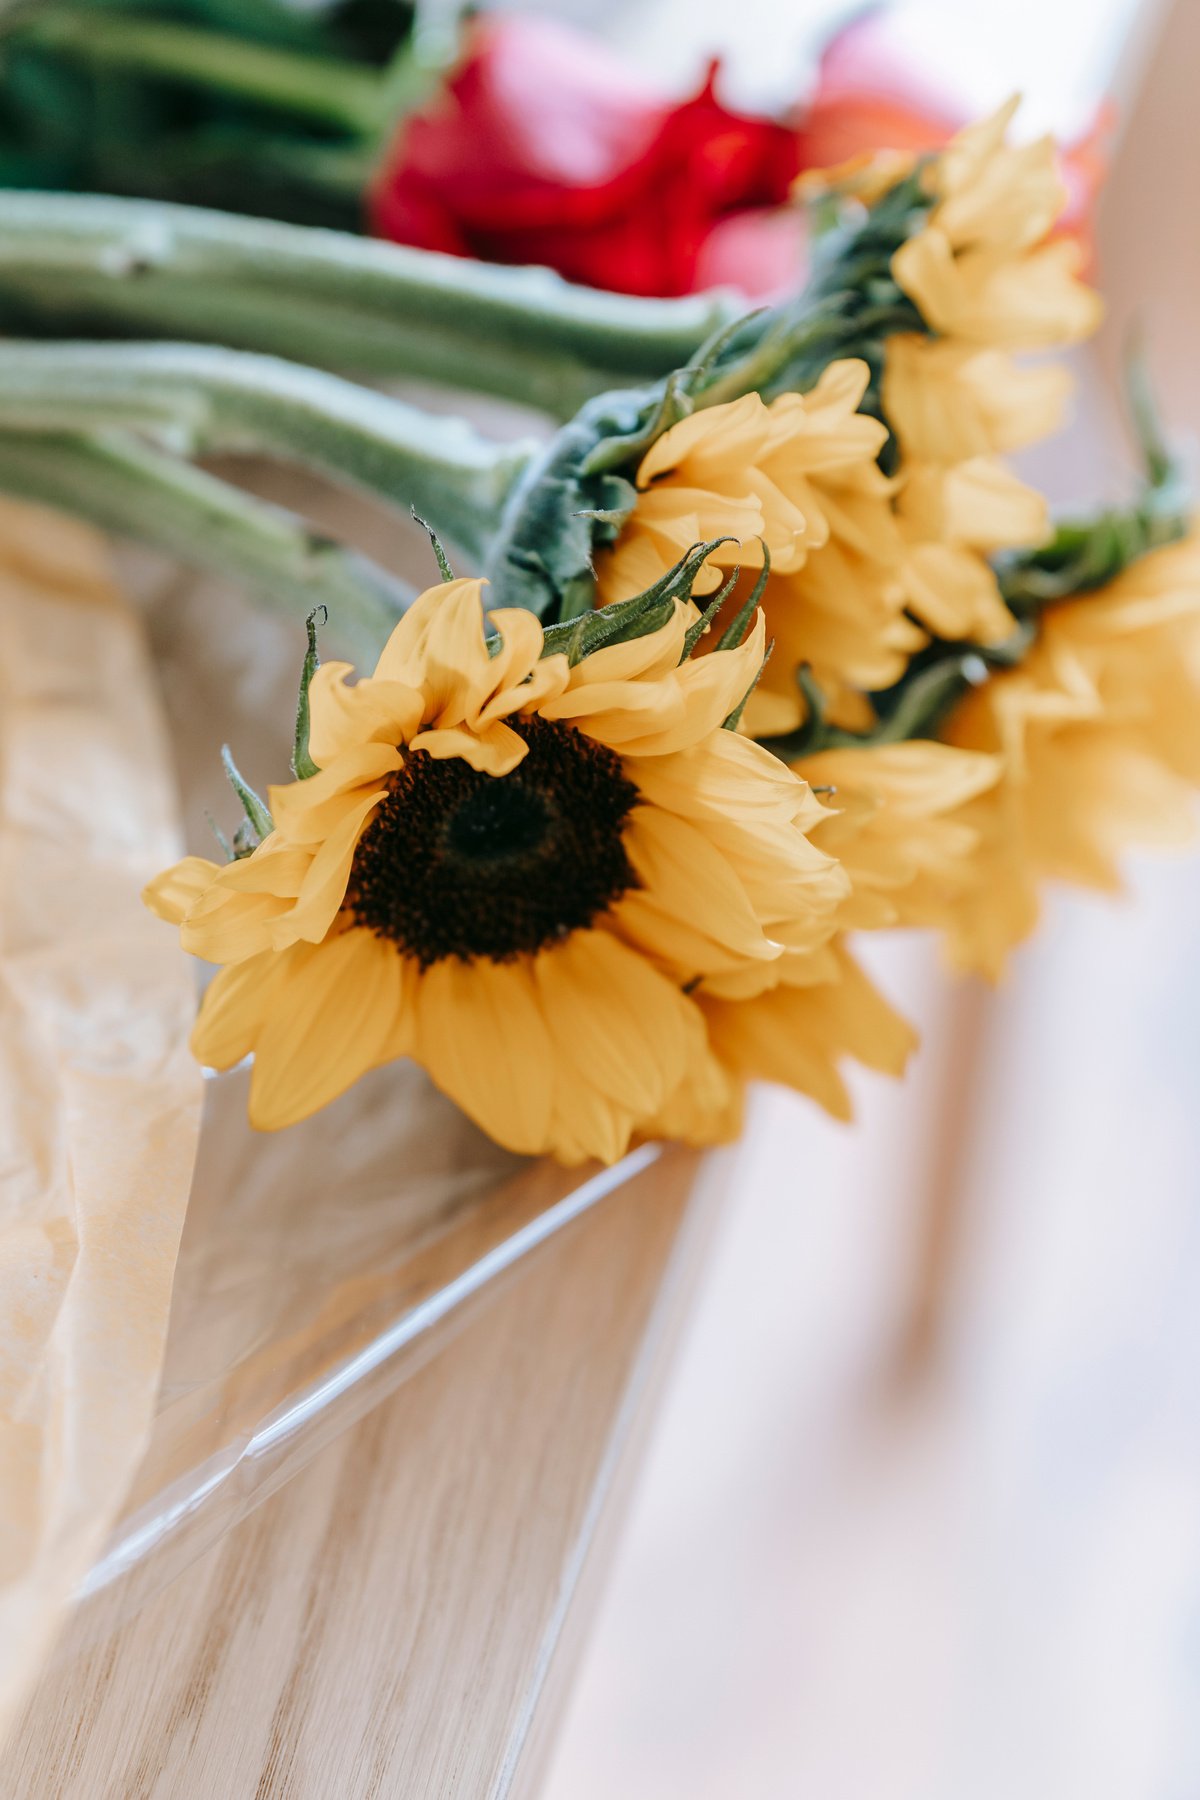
392 1622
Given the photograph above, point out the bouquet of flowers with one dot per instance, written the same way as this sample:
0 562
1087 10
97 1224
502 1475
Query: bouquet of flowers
769 649
759 645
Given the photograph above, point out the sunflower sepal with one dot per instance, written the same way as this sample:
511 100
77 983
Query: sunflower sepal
257 823
696 631
623 620
614 451
735 632
732 721
303 766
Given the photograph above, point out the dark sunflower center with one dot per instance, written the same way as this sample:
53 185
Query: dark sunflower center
458 863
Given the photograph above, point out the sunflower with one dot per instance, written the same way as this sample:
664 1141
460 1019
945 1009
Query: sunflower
894 823
950 519
800 477
515 868
947 402
988 280
1098 732
796 1035
984 268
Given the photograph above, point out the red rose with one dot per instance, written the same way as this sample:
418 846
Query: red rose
543 148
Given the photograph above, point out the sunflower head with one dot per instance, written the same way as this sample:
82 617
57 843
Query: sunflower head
519 859
985 268
793 484
1097 733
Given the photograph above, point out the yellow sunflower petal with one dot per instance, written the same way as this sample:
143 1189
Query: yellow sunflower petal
726 776
619 712
948 401
706 1106
438 647
344 714
676 945
276 867
729 433
954 592
648 657
335 1011
551 676
795 1036
633 564
236 1004
710 687
324 887
227 927
683 876
588 1126
483 1039
682 516
308 810
172 894
614 1021
520 645
978 502
496 750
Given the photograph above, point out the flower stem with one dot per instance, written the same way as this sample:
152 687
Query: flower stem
347 95
71 263
196 399
127 487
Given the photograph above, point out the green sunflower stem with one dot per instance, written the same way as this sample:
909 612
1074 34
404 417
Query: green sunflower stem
198 399
347 96
76 263
136 491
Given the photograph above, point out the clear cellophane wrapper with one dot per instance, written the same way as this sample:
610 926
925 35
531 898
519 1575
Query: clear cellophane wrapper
317 1267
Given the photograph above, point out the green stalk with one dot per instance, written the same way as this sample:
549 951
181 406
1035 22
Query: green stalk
198 399
342 94
72 263
128 488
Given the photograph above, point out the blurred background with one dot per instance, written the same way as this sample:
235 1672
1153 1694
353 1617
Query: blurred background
920 1517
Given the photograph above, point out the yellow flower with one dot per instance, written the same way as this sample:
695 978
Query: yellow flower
795 1034
513 869
800 475
949 401
981 268
950 519
986 282
1099 733
894 825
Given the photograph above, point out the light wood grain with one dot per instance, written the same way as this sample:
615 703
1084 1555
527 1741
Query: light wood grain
387 1624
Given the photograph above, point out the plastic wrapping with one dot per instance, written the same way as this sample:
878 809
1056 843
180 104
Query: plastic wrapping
320 1265
318 1270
